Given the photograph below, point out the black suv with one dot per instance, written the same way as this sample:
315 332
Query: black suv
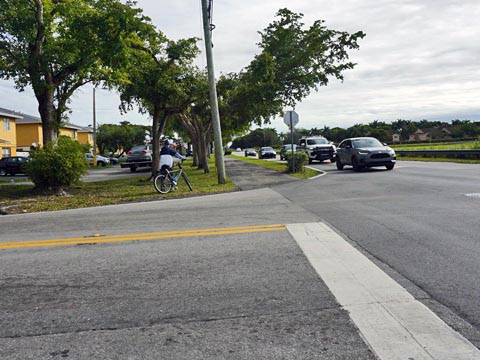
12 165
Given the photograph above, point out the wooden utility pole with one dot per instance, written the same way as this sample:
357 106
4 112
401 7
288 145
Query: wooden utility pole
217 130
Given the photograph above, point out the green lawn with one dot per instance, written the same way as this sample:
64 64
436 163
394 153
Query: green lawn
277 166
466 145
16 199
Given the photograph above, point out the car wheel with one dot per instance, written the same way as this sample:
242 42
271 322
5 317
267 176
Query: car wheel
3 172
310 160
355 164
100 163
389 166
339 164
133 168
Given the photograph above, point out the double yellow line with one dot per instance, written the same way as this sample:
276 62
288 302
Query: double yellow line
95 239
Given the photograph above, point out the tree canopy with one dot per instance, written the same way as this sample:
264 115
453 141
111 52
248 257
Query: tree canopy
57 46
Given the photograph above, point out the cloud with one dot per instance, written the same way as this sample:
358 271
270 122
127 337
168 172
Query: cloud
419 58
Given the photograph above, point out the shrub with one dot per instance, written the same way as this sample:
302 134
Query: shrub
57 166
301 159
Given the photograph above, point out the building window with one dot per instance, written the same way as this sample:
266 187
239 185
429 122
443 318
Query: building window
6 152
74 134
6 124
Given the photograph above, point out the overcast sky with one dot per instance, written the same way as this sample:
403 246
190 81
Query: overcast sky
420 59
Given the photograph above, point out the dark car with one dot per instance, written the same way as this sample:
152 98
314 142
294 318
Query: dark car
113 160
286 148
250 152
12 165
362 152
267 152
140 153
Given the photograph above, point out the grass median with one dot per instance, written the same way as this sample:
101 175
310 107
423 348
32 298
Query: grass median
277 166
16 199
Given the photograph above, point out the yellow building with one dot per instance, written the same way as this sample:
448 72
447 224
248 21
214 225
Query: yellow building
85 136
8 134
29 132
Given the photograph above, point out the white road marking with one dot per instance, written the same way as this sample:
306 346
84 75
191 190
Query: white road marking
393 323
474 195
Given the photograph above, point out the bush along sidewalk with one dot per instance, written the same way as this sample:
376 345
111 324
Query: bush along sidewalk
296 161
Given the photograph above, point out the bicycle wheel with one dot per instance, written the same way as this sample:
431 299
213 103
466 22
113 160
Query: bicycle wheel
163 184
187 181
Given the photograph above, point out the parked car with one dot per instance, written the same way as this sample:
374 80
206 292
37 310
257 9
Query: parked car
267 152
12 165
362 152
286 148
101 160
140 153
113 160
238 149
250 152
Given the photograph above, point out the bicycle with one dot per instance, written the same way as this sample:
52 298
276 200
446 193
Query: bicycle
166 180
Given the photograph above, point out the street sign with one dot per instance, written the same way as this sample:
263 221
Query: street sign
290 118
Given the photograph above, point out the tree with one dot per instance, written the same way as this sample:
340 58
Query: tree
57 46
293 62
158 81
112 137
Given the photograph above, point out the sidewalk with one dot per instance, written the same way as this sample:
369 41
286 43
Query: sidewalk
249 176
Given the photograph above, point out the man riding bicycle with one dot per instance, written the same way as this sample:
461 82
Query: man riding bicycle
166 156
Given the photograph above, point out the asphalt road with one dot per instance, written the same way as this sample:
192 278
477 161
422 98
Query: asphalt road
240 294
420 219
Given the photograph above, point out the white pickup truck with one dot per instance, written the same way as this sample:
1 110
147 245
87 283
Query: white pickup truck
318 148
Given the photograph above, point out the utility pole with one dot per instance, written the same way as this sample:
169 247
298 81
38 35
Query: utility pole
217 130
94 131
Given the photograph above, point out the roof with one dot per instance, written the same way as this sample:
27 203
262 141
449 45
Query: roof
14 116
21 118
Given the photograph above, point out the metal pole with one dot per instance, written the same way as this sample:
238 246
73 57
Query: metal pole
291 140
94 131
217 130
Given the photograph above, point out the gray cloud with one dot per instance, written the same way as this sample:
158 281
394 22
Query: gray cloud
419 59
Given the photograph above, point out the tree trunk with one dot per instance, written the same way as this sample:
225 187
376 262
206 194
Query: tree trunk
203 153
199 134
47 114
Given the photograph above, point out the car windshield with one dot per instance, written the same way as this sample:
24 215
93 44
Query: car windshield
317 141
366 143
288 147
267 149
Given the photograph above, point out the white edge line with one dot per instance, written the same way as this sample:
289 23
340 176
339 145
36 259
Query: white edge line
316 176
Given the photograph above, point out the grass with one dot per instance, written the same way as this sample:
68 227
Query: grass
277 166
15 199
436 159
466 145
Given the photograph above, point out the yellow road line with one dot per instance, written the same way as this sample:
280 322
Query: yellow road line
140 237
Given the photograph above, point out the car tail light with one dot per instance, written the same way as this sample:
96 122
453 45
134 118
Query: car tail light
144 152
129 153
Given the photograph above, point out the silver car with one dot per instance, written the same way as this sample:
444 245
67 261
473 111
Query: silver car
140 153
101 160
362 152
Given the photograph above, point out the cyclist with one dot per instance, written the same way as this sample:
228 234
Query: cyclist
166 156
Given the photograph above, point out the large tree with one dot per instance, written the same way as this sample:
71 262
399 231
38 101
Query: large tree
56 46
294 61
113 137
158 81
